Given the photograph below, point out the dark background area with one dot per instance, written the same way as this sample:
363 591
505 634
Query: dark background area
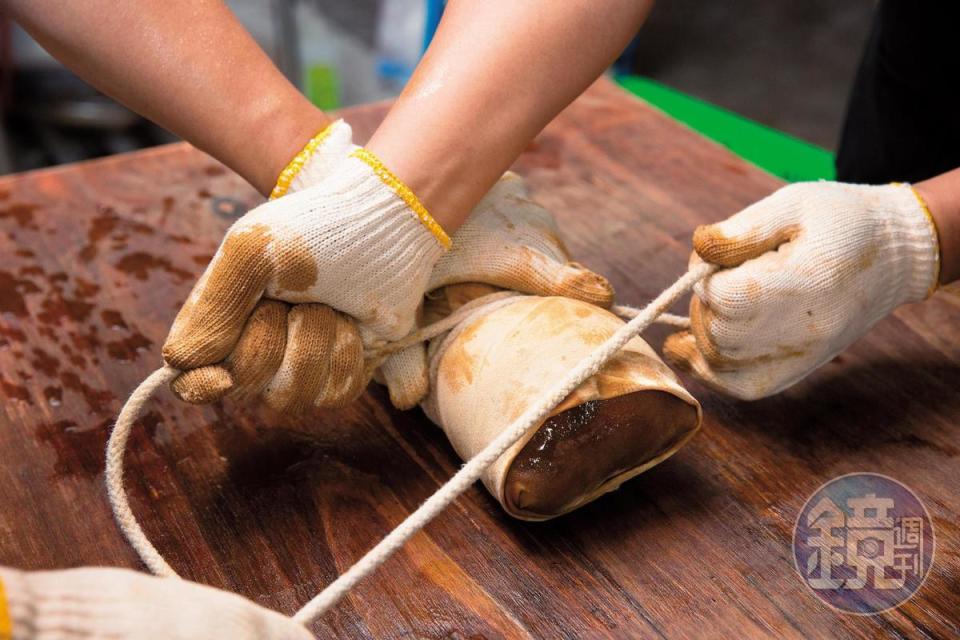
786 65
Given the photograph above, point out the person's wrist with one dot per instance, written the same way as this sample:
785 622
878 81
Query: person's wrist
942 197
448 168
437 181
279 134
383 174
914 244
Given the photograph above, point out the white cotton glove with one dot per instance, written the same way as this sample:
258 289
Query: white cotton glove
354 250
119 604
809 270
318 160
510 242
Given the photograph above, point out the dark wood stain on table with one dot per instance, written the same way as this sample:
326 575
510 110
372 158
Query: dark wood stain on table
96 258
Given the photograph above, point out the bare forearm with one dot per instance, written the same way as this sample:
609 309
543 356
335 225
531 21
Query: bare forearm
187 65
496 73
942 195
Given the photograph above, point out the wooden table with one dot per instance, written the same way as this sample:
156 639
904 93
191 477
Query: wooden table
96 258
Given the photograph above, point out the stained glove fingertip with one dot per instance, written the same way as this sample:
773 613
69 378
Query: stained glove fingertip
406 375
715 246
202 385
680 349
583 284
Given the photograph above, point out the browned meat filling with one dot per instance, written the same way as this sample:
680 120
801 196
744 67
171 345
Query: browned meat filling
573 453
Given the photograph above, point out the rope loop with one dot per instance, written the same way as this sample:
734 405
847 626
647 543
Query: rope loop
462 480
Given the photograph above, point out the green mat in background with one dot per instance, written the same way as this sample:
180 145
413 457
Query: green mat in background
781 154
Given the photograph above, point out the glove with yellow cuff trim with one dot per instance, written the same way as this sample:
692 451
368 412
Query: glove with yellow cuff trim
352 254
317 160
809 270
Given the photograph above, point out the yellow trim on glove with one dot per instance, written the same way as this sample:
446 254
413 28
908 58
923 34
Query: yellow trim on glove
296 165
933 228
6 625
405 194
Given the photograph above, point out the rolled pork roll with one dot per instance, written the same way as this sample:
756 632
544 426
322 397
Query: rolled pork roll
488 370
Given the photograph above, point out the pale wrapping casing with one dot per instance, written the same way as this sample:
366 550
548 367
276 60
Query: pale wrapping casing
494 365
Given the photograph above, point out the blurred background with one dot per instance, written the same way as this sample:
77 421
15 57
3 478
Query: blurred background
768 79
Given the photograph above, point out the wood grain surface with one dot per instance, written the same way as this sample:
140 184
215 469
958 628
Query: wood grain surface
96 258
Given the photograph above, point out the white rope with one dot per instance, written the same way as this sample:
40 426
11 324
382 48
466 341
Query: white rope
671 319
114 471
373 358
469 473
